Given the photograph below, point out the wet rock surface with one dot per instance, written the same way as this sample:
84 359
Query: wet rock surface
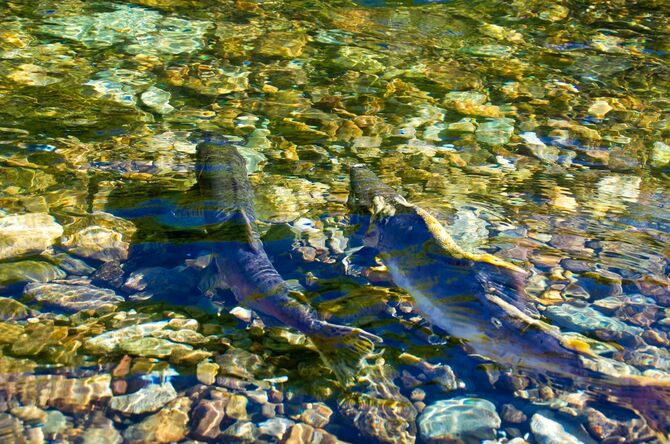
547 429
465 419
14 274
146 400
72 298
27 233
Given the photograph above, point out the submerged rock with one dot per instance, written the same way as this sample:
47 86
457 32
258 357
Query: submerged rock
22 234
240 432
157 99
209 80
359 59
380 411
206 372
10 332
70 264
12 310
65 394
111 341
139 30
207 417
146 400
28 271
471 103
153 347
110 274
587 319
11 429
32 75
54 424
497 51
114 91
495 131
304 434
539 149
316 415
168 425
554 12
469 420
104 433
547 430
275 427
72 298
660 154
282 44
36 337
100 236
599 108
29 414
239 363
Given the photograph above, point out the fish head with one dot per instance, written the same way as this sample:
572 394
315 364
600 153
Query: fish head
366 188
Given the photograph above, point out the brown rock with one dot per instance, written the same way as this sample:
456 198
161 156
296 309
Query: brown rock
317 414
237 407
68 395
306 434
207 417
123 367
119 386
511 414
240 432
269 410
29 414
27 233
601 427
168 425
36 337
275 395
282 44
206 372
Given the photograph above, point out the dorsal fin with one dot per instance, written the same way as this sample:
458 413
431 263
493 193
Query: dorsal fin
444 239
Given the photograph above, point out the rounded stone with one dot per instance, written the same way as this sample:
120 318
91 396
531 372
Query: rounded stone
466 419
27 233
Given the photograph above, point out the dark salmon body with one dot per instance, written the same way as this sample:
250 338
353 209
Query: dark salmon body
225 203
227 195
480 299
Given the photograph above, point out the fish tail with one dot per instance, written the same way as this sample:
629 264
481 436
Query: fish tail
343 348
646 396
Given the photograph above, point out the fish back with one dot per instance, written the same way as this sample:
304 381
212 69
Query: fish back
222 179
226 194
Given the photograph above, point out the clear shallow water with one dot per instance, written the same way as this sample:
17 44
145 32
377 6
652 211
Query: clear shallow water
536 131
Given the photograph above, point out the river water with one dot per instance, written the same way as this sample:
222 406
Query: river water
536 131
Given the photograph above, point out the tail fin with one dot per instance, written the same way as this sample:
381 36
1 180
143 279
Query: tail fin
343 349
648 397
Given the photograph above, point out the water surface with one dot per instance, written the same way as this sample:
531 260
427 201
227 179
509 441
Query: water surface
537 131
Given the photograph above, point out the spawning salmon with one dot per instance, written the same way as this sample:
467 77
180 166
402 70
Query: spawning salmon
225 202
480 300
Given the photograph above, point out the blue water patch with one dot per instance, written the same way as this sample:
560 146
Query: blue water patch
43 147
568 46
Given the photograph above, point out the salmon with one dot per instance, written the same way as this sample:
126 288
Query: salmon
225 203
480 300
